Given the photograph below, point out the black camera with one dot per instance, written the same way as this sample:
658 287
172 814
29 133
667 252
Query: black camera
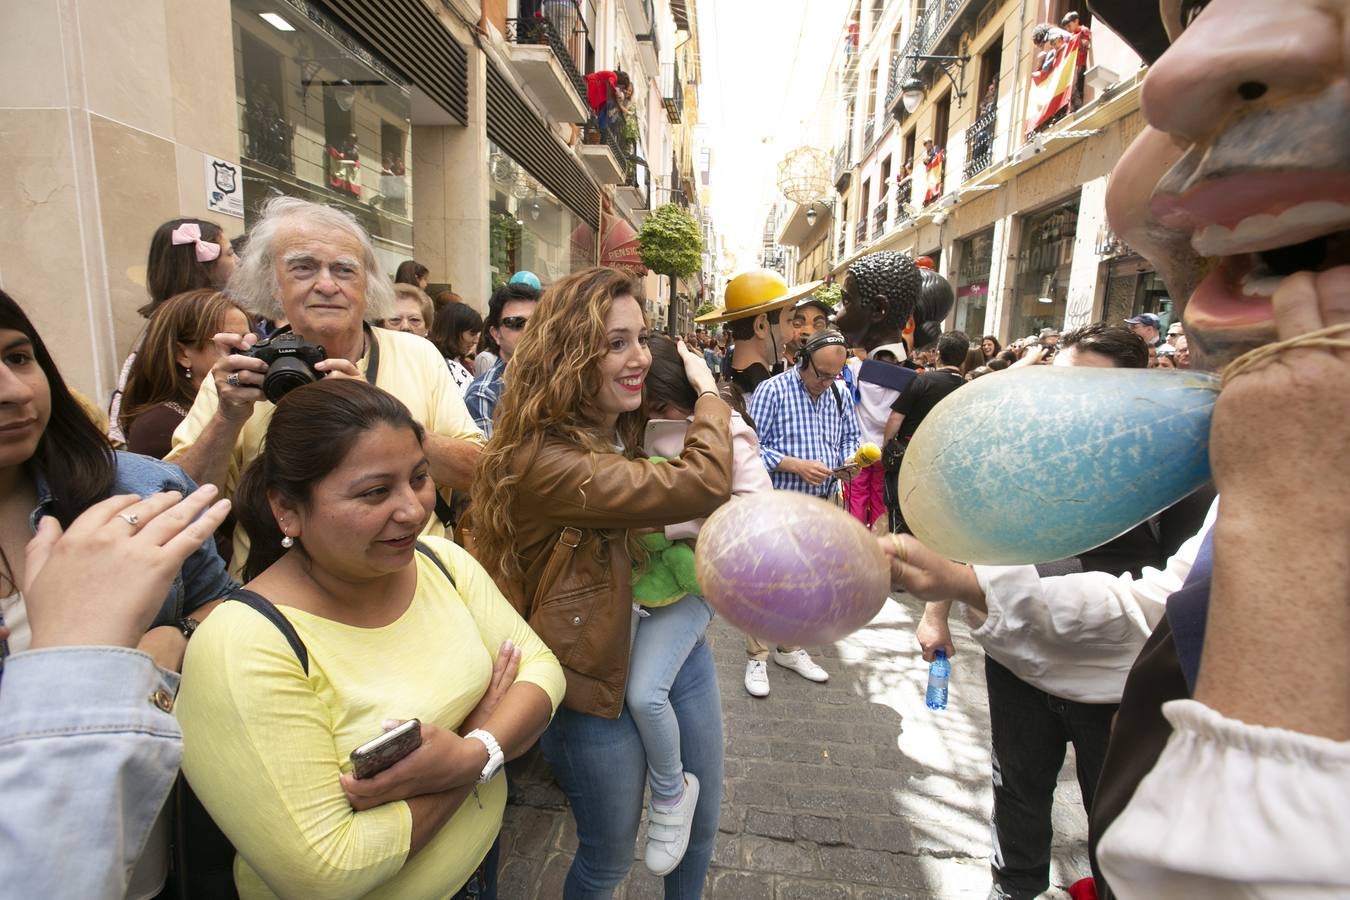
290 363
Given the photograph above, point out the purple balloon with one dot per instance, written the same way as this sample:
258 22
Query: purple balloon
786 567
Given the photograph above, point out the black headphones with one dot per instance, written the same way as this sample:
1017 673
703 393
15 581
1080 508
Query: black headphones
829 338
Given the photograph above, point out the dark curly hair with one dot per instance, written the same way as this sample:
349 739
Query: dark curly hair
888 279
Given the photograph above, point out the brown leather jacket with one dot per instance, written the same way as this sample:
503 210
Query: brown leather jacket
592 499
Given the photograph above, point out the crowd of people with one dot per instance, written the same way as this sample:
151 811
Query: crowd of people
247 571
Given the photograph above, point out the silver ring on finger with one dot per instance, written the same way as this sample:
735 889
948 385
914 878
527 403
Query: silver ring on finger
232 379
130 518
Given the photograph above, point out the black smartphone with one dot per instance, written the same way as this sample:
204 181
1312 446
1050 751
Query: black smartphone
374 756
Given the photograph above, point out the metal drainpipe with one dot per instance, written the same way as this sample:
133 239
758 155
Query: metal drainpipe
1017 63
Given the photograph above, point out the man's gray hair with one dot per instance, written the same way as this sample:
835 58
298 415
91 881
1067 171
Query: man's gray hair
254 282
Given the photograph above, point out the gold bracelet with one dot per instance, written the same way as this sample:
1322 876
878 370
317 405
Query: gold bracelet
1321 339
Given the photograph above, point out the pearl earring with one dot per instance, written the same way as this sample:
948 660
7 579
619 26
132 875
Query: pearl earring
288 542
187 373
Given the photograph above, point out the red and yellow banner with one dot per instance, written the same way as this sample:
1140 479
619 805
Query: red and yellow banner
1052 88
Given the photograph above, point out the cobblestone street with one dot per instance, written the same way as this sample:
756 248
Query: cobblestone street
850 790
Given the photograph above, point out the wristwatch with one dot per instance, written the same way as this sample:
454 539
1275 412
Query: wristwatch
495 758
187 625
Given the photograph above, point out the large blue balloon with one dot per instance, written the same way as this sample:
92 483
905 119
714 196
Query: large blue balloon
1043 463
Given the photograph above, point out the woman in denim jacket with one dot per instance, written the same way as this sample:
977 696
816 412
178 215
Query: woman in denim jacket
55 462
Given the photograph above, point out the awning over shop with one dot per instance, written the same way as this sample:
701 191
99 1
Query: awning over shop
621 248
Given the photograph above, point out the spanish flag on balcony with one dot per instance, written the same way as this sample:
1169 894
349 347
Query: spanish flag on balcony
936 168
1052 86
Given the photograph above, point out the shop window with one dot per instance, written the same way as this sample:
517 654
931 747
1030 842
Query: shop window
530 228
1043 263
323 118
267 130
976 257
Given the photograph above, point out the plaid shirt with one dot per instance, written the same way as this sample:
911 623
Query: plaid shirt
481 397
793 423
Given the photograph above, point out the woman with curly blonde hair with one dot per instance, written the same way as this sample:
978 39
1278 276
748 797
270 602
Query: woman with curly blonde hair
560 496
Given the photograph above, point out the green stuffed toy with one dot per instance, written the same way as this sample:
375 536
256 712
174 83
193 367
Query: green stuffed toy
669 573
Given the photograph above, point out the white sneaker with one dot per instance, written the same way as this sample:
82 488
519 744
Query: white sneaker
668 830
757 678
800 662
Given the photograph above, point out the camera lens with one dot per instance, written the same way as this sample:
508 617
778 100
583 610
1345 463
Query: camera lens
284 376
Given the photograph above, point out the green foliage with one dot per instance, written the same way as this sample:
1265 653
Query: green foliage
830 293
672 243
705 309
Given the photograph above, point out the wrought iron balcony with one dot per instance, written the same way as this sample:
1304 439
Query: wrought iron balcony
860 233
879 222
843 165
930 30
672 92
843 245
904 196
980 142
559 25
610 167
269 137
869 135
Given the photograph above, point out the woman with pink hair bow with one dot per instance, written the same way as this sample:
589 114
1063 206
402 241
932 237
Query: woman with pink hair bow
185 255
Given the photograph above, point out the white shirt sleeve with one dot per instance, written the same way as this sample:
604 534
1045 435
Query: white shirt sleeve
1076 636
1234 810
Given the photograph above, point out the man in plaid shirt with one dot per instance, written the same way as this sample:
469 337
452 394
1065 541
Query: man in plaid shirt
508 311
808 431
806 421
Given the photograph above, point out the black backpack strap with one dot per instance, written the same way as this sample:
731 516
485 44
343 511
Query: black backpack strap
268 610
429 554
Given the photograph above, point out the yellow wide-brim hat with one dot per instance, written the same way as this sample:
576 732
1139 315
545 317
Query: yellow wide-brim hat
755 292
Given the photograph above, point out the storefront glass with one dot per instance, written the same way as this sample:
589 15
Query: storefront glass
531 228
322 118
1043 264
1132 288
976 255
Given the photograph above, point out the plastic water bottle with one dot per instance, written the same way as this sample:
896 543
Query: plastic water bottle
938 673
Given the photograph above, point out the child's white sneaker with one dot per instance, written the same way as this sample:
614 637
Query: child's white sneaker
668 829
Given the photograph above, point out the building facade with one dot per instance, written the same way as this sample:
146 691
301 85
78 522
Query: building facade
1010 208
458 132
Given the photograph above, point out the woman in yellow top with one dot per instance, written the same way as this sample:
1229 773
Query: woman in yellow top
334 506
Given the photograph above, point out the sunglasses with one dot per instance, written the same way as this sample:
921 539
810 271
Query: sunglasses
515 323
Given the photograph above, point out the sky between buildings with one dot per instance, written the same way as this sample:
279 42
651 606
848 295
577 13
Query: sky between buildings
763 94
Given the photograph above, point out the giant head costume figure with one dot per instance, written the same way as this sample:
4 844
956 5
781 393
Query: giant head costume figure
1243 175
884 292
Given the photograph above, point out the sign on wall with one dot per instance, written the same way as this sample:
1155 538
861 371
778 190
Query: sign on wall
224 187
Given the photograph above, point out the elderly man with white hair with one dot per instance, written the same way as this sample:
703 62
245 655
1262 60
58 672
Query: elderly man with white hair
316 268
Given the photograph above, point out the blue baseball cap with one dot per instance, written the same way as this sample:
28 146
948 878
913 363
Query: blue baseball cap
526 278
1145 319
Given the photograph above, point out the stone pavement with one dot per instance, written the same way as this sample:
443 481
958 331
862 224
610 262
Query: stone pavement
850 790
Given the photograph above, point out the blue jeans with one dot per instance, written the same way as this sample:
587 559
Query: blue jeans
602 769
664 638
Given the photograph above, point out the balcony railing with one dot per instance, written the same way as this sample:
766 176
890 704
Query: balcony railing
928 28
843 244
842 162
879 218
860 233
269 137
869 136
613 135
904 196
560 25
980 143
651 34
672 92
641 182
